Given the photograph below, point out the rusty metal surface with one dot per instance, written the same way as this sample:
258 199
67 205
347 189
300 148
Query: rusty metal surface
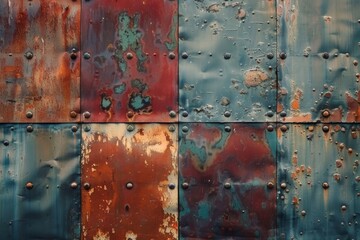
227 178
227 54
40 73
129 181
130 66
39 174
318 181
318 51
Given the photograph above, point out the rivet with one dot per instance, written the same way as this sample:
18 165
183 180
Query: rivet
129 56
270 114
29 55
227 56
227 114
326 113
87 186
325 55
172 114
74 128
87 56
270 185
283 185
129 185
185 185
29 114
303 213
283 114
6 142
29 128
343 208
87 114
282 55
130 114
87 128
73 114
325 185
172 55
172 186
270 128
172 128
29 185
325 128
185 129
74 185
184 114
270 56
184 55
283 128
227 185
73 55
227 129
130 128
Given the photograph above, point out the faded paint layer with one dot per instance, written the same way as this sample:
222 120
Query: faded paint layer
228 61
130 68
40 70
318 182
318 45
39 178
130 182
227 174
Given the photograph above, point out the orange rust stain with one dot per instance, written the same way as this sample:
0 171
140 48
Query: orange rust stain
255 77
353 105
301 118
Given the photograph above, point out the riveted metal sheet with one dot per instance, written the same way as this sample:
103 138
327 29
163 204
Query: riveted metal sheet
227 60
130 69
227 178
318 181
129 182
40 71
318 60
39 174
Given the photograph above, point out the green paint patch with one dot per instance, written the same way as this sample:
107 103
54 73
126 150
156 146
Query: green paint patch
138 84
105 102
172 35
140 103
204 210
119 89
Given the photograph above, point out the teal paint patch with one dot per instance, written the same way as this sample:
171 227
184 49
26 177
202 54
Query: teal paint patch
171 45
129 39
138 84
189 147
204 210
119 89
140 103
105 102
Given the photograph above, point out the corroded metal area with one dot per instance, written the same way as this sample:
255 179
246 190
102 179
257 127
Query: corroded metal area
39 175
40 71
227 178
129 71
129 182
318 182
227 60
318 49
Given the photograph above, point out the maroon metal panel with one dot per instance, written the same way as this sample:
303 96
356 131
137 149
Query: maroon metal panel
40 71
227 175
130 182
129 71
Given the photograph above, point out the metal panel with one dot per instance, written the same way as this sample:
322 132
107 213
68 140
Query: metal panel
40 71
318 64
130 182
129 71
39 175
318 179
227 177
227 65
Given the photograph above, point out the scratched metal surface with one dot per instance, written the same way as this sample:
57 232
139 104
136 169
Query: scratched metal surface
129 181
130 66
318 182
318 49
227 63
39 174
40 73
227 177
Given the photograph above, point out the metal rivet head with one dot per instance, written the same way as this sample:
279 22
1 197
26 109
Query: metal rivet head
185 185
87 128
270 185
227 56
325 55
283 128
87 55
130 114
270 128
227 114
29 55
172 186
227 185
227 129
29 128
130 128
283 185
172 128
282 55
129 56
325 185
29 114
303 213
87 114
185 129
325 128
185 114
73 114
326 113
74 128
29 185
73 55
87 186
283 114
184 55
172 55
270 114
129 185
6 142
74 185
172 114
270 55
343 208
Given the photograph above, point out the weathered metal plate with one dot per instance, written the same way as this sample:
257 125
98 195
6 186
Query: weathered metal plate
130 182
318 182
39 174
318 62
228 61
130 70
227 177
40 74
